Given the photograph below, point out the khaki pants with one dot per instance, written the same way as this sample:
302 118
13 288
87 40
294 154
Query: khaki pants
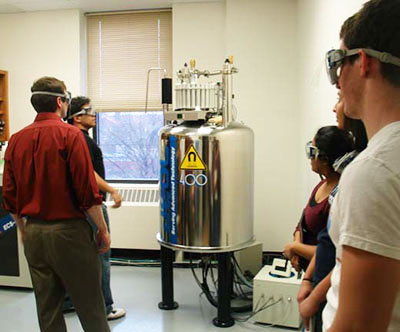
62 256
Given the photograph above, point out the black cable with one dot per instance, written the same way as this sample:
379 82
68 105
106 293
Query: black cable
263 307
207 268
240 284
145 263
205 271
241 276
194 273
203 286
215 281
136 264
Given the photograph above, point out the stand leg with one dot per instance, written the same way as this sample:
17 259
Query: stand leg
224 318
167 280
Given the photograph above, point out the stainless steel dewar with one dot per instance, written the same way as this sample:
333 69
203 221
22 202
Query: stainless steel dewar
207 173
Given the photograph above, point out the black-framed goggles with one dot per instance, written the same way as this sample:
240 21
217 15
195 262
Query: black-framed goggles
66 95
312 151
89 110
334 60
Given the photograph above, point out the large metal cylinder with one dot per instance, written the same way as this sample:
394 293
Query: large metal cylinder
206 186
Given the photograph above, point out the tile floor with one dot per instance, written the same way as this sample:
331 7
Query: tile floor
138 290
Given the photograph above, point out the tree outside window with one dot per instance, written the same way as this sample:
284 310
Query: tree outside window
129 141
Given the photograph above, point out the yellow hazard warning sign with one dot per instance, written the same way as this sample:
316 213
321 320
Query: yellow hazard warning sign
192 160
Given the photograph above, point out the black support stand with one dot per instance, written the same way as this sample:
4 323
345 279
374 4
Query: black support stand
225 282
167 280
225 286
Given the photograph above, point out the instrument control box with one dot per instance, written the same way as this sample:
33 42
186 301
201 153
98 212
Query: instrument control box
277 296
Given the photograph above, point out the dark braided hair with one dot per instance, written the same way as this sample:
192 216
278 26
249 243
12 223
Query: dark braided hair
333 143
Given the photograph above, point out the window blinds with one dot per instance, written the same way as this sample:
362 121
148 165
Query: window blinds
121 49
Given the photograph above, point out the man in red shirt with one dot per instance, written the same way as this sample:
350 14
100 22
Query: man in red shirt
49 187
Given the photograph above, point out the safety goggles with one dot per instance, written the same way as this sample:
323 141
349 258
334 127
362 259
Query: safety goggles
312 151
66 95
334 60
89 110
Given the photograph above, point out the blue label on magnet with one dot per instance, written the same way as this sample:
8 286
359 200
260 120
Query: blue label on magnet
165 192
6 223
174 189
169 191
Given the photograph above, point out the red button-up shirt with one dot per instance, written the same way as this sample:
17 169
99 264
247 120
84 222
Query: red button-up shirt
48 174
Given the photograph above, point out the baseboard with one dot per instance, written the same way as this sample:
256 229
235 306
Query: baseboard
135 253
268 256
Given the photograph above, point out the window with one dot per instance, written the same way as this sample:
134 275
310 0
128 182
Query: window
129 141
122 47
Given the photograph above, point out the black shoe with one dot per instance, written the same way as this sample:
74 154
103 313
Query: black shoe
67 310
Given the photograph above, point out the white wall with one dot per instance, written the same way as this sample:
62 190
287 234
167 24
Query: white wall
83 54
318 27
35 45
198 33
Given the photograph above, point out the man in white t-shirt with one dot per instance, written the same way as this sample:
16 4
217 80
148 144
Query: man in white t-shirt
365 216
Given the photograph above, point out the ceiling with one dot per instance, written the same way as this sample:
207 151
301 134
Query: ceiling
20 6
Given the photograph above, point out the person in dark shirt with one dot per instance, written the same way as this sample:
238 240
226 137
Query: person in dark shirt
316 281
328 144
49 187
82 116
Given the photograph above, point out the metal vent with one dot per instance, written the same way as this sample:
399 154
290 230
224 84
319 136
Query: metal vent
138 195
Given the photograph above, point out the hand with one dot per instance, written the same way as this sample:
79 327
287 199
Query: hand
288 250
116 198
305 290
103 241
295 261
307 309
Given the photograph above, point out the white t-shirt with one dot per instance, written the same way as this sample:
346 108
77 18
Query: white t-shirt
366 212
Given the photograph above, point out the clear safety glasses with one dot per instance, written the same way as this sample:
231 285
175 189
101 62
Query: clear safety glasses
312 151
89 110
334 60
66 95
